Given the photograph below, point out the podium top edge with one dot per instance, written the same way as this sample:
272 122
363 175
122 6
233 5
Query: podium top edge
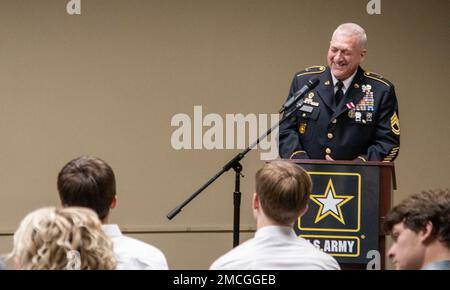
339 162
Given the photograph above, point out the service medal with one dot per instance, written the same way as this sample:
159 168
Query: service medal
351 113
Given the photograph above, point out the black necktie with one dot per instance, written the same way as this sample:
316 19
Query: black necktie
339 95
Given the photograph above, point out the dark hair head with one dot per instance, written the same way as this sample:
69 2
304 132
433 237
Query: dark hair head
419 209
88 182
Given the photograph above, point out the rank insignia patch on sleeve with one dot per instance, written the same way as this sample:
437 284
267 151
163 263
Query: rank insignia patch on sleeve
395 124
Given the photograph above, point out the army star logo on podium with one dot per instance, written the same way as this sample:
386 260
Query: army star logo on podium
335 206
342 219
330 204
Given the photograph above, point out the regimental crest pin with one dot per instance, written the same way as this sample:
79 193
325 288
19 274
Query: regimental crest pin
302 128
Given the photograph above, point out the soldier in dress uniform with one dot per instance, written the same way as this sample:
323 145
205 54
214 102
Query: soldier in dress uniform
351 115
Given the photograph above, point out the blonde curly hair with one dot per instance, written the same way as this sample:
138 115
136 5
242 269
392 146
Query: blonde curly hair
48 237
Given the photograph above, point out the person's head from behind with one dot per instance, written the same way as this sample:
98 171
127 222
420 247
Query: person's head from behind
89 182
66 238
420 229
348 48
282 193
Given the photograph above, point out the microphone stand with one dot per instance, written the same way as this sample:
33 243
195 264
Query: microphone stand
235 164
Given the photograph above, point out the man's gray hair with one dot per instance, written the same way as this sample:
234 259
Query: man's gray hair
352 29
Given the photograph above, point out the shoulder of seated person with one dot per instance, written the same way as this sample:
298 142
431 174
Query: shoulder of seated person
138 245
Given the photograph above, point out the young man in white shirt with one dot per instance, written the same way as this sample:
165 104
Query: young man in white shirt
90 182
282 193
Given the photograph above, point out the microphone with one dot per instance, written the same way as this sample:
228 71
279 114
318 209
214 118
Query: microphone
311 84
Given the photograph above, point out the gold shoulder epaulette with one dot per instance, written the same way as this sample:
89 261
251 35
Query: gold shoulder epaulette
377 77
317 69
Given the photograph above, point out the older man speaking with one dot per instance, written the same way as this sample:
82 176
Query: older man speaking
351 115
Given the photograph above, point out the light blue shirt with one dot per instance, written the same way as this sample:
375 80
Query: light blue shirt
440 265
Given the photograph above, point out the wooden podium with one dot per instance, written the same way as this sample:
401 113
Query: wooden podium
347 208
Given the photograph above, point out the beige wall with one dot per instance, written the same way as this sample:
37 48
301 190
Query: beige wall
108 82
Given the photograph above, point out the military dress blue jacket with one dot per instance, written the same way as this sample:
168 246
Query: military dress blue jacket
365 126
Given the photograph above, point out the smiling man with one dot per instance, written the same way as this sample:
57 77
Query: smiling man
351 115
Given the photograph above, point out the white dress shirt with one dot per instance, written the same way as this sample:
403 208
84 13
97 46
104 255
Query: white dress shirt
275 248
347 82
132 254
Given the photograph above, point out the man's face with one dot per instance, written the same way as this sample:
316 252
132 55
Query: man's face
344 55
407 250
